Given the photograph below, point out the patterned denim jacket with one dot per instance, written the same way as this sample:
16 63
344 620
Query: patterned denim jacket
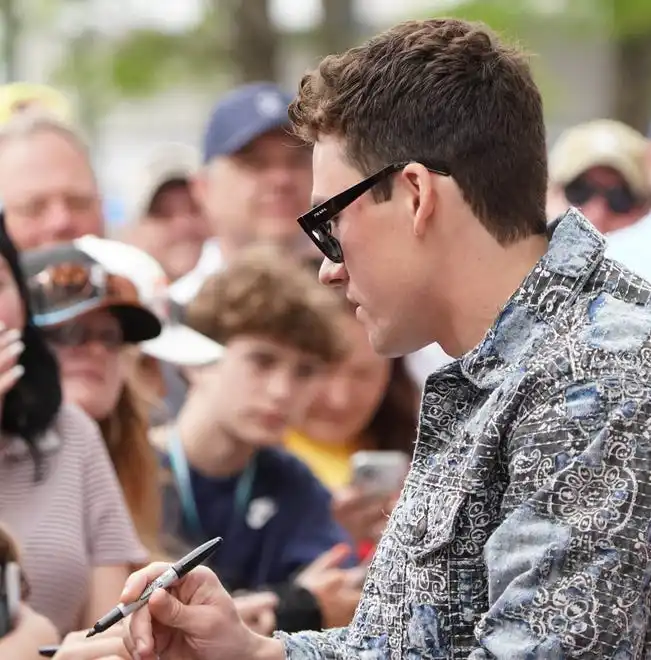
523 530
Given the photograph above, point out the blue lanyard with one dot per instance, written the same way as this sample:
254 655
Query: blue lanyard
181 471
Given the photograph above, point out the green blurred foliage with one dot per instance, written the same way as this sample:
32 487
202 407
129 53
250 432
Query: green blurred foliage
620 18
144 61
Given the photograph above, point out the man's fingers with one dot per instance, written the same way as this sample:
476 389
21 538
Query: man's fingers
169 611
139 637
331 558
137 581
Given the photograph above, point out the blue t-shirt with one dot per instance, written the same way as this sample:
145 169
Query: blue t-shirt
284 524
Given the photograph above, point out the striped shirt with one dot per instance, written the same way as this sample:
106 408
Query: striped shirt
72 520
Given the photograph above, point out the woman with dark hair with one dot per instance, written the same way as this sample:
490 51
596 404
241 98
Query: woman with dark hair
58 492
365 402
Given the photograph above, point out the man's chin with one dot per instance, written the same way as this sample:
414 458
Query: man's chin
388 343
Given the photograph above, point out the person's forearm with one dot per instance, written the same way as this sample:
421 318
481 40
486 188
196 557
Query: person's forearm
22 644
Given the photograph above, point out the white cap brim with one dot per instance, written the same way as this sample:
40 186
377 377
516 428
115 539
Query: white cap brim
183 346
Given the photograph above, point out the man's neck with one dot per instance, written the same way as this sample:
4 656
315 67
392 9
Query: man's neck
478 297
228 249
213 452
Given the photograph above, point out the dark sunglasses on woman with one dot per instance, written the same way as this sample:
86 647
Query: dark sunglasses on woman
76 334
619 198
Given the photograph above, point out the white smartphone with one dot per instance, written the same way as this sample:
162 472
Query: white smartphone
379 472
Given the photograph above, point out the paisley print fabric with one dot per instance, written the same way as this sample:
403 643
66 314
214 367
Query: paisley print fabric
523 530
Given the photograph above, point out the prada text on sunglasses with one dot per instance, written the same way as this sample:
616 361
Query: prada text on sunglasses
619 198
317 223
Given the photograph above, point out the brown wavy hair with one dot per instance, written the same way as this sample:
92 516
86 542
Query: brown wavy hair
401 96
126 433
393 426
263 292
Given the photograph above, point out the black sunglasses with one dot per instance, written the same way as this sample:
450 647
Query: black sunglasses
76 334
317 223
619 199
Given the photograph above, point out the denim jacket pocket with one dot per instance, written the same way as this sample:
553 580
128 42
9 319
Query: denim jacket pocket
429 520
433 499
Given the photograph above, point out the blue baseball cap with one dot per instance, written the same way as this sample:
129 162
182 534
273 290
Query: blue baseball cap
243 115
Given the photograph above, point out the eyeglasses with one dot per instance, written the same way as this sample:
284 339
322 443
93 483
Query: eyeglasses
76 334
317 223
63 291
619 198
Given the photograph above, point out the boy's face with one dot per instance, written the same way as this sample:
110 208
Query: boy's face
261 387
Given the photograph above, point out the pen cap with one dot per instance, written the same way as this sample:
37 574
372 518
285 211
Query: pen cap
196 557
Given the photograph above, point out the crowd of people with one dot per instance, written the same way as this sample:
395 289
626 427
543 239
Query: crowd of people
191 378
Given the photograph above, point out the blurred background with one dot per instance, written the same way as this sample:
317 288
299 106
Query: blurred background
140 71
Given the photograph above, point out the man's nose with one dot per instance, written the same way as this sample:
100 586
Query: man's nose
60 220
281 175
332 274
281 386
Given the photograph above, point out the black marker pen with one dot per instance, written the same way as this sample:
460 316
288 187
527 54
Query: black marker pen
169 577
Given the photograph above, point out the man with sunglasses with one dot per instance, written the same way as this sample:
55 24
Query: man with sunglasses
602 168
522 529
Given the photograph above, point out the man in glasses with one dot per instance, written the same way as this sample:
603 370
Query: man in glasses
523 527
47 184
602 168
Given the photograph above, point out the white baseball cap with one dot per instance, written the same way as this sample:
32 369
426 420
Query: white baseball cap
171 161
602 142
177 343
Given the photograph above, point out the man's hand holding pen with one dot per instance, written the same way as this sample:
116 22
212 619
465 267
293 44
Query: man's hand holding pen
196 619
178 612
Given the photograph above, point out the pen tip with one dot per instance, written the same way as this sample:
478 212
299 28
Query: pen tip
91 633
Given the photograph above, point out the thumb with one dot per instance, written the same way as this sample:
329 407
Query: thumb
169 611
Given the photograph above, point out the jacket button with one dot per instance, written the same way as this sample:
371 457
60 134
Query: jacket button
421 527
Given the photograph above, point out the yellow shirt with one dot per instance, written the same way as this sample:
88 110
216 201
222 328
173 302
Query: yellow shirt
330 462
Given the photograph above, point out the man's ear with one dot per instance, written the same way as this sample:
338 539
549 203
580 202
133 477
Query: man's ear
421 195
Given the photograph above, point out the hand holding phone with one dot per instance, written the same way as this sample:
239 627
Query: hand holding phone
363 507
379 472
